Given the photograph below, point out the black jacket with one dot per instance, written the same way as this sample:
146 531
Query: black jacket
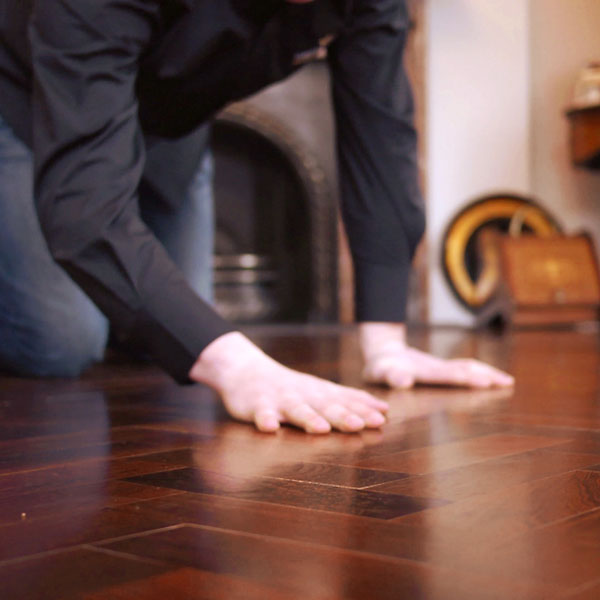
82 81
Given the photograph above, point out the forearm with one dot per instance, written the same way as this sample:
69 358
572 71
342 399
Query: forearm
89 158
143 294
377 155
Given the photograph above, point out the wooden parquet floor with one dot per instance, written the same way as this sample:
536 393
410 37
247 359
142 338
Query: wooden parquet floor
123 485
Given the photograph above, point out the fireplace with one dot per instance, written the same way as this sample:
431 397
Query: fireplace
276 243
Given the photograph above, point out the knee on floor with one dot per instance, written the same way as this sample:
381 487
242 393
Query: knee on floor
54 352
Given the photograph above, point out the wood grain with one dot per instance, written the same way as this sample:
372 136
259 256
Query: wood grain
124 485
458 454
490 476
516 509
67 575
309 571
186 583
293 493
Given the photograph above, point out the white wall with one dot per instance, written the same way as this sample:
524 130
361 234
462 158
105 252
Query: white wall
565 34
500 75
478 118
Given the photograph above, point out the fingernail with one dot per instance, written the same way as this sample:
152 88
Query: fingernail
376 419
354 422
403 383
270 425
319 426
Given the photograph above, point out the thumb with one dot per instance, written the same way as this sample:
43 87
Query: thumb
399 378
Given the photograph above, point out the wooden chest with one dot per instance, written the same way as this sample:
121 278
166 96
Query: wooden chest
551 280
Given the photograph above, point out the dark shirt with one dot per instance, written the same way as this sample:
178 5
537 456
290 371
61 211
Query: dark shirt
83 81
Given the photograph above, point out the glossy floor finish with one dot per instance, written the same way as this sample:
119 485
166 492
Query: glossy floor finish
123 485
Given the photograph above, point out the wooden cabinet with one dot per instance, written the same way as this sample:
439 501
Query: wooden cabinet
585 136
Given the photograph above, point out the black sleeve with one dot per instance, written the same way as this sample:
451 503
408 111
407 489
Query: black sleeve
377 155
89 158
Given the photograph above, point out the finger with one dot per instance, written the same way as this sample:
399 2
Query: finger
399 378
465 375
360 396
503 380
372 418
457 372
341 418
494 376
483 375
266 419
306 418
500 378
391 373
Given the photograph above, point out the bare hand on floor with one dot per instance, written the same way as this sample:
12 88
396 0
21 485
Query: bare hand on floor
390 361
258 389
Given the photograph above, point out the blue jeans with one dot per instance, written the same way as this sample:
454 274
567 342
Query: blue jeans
48 326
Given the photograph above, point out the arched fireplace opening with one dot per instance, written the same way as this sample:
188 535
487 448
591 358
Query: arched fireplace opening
276 224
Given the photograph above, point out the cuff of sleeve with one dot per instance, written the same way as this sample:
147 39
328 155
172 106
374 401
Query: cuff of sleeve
381 292
176 337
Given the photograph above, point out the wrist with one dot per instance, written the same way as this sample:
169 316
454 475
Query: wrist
224 358
376 339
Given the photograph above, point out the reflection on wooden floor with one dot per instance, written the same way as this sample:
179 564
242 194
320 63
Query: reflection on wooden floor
123 485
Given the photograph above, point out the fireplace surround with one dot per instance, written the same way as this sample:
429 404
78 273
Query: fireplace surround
276 243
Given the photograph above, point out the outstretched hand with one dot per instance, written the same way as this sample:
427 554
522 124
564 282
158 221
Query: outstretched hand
256 388
390 361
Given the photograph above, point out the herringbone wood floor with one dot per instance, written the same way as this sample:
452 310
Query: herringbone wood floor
123 485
